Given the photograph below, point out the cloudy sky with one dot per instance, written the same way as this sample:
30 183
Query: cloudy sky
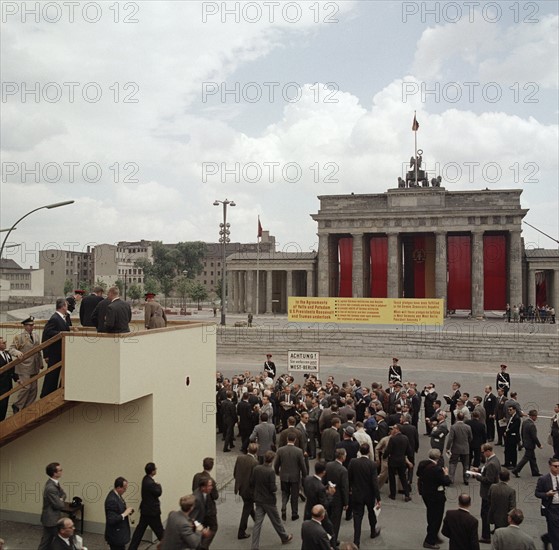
144 113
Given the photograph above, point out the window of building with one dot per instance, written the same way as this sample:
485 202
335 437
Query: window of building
211 272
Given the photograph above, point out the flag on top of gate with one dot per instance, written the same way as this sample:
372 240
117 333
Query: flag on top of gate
259 228
415 125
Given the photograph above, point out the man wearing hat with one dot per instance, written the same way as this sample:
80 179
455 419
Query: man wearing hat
270 366
503 380
154 314
395 371
22 343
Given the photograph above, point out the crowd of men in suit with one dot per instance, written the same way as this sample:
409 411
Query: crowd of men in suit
361 437
194 525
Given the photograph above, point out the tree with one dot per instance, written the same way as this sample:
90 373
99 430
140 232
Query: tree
84 285
218 289
167 284
120 284
198 293
68 287
151 285
183 289
189 257
134 291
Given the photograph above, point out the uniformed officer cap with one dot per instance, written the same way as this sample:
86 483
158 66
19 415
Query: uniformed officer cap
503 366
268 355
395 359
149 295
79 291
29 321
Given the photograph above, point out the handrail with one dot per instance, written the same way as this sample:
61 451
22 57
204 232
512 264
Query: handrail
32 352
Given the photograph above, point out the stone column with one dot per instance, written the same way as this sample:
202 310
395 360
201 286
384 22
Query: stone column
242 292
515 268
531 290
269 288
231 292
250 291
477 274
288 284
310 281
323 265
357 268
555 291
441 268
393 266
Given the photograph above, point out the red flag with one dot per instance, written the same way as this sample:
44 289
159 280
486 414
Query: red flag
259 228
415 125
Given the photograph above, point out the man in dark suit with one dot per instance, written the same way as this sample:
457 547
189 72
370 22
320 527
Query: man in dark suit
502 499
490 406
205 510
290 466
318 493
119 314
263 485
229 419
431 482
88 305
461 527
242 474
117 527
430 396
397 451
99 314
5 378
479 437
530 441
363 486
150 507
65 538
329 439
288 405
246 420
53 354
313 535
488 476
547 489
53 502
511 437
337 475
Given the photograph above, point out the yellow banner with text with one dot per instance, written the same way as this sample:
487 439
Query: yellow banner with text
372 311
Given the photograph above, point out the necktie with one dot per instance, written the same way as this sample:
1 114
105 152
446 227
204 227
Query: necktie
31 338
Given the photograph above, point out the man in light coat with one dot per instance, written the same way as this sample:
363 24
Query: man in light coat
21 344
458 443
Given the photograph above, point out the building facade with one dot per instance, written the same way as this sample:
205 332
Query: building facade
65 265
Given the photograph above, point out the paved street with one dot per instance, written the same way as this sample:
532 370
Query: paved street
403 524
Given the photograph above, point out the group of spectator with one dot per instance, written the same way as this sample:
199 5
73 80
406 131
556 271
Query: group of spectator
283 425
519 313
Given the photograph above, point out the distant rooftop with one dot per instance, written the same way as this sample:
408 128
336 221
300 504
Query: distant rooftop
542 253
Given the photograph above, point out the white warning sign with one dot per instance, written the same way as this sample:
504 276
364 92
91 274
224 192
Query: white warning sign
303 361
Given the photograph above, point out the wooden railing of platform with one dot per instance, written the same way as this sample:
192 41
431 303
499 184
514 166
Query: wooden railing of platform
42 410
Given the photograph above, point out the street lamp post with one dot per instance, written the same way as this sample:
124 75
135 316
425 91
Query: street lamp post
224 239
47 206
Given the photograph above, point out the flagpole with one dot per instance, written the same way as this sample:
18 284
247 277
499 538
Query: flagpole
257 310
415 133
